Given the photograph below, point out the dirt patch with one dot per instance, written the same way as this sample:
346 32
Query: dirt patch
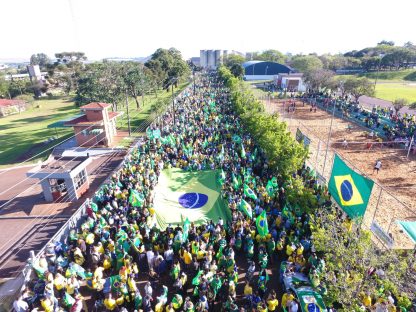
397 177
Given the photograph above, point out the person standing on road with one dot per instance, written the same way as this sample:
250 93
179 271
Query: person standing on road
377 166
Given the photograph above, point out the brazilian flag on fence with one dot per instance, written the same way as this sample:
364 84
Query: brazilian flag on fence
349 189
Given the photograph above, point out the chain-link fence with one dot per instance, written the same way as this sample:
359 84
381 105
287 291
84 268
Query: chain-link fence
383 209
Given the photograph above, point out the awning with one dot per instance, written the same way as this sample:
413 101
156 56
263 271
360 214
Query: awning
410 228
61 123
96 131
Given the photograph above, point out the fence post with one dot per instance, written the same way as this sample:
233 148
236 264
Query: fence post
378 202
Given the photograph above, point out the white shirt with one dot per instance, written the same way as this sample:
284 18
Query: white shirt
378 165
20 305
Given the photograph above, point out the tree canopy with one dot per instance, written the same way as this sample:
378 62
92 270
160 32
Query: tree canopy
306 63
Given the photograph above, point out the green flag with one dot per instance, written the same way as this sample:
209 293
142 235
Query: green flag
195 280
186 226
222 177
249 192
136 199
261 223
349 189
270 188
246 208
236 184
274 182
243 152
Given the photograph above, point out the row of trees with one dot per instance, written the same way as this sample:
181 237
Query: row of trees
104 81
111 81
384 56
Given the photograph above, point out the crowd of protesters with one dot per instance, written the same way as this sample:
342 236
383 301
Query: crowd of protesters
120 260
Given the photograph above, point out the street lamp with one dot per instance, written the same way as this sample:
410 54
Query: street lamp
381 55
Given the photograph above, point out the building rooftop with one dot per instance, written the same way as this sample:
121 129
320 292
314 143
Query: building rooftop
7 102
61 165
82 121
95 105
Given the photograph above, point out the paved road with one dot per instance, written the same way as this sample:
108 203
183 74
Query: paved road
29 222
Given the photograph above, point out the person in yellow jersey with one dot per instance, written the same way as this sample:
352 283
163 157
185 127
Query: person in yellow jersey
286 298
261 307
110 303
272 301
248 290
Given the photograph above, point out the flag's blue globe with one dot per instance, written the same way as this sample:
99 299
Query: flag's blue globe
312 307
346 190
193 200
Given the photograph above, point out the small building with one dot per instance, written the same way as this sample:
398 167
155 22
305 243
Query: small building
63 178
9 107
97 127
263 70
292 82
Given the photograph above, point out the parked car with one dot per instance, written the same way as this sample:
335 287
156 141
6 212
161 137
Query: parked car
309 299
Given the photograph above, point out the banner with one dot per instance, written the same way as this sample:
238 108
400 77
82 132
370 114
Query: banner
195 196
410 228
349 189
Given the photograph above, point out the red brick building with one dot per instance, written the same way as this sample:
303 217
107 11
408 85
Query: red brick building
97 127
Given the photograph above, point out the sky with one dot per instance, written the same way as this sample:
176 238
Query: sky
136 28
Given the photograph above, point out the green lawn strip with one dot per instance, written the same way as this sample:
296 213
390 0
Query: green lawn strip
392 91
21 132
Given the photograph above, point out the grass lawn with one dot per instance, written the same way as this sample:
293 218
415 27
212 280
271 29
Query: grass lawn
26 134
392 91
406 75
137 116
28 131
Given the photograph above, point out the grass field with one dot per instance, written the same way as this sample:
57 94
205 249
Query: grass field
29 132
392 91
26 134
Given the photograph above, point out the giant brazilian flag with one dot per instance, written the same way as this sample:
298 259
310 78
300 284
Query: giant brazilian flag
195 196
349 189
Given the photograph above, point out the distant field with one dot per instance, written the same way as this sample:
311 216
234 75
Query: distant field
392 91
29 130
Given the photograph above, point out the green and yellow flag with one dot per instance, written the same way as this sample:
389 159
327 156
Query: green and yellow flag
136 199
249 192
246 208
261 224
349 189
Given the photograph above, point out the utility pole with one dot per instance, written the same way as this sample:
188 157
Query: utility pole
327 142
128 114
173 106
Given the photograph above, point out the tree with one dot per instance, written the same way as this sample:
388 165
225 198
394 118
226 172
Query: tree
167 67
135 80
40 59
351 259
101 82
398 104
358 87
271 56
319 79
385 42
306 63
234 63
4 88
68 57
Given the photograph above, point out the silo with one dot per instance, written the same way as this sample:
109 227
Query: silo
203 58
210 59
218 58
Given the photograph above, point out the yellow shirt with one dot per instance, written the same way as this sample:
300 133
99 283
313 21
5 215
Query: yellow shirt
248 290
110 304
285 298
367 301
272 304
187 257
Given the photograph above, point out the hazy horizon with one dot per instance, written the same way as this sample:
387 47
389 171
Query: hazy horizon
127 28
